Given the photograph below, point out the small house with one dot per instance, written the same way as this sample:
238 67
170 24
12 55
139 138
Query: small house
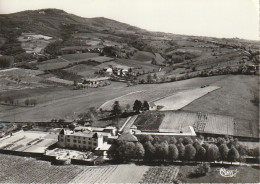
152 106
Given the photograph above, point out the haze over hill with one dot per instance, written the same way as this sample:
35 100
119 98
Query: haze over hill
215 18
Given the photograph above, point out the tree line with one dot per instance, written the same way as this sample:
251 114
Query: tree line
162 148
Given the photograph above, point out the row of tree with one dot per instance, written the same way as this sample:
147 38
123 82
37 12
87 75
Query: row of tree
137 107
168 148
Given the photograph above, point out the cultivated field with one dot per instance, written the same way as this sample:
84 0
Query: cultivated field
111 174
160 175
183 98
210 123
15 169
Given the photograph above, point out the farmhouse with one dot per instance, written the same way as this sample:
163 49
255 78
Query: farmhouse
87 139
95 82
152 106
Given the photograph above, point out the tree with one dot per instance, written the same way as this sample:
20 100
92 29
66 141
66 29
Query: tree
213 153
149 150
201 153
233 154
173 152
189 152
180 140
144 138
162 150
116 109
223 150
53 48
26 102
220 141
129 150
196 145
137 106
172 140
127 107
181 149
149 78
155 76
145 106
139 150
6 61
187 140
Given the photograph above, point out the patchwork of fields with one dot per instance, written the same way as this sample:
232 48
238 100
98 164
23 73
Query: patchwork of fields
15 169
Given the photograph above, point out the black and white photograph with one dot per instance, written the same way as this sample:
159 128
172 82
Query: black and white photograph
129 91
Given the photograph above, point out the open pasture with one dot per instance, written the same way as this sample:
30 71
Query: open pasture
79 57
53 64
83 70
148 95
143 56
183 98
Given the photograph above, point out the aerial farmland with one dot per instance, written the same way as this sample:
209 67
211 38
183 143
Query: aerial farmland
94 100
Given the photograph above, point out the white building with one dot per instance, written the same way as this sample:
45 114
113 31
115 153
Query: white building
87 139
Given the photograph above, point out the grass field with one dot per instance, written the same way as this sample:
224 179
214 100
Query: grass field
183 98
143 56
232 99
58 102
244 175
79 57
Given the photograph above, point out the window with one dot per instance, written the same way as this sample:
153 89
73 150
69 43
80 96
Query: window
95 144
68 140
74 141
79 141
84 142
61 140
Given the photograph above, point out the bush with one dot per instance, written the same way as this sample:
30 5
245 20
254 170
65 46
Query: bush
6 61
201 170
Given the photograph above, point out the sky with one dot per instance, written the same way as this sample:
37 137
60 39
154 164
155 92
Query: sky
214 18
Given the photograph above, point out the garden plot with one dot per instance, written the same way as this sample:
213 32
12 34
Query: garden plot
160 175
181 99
